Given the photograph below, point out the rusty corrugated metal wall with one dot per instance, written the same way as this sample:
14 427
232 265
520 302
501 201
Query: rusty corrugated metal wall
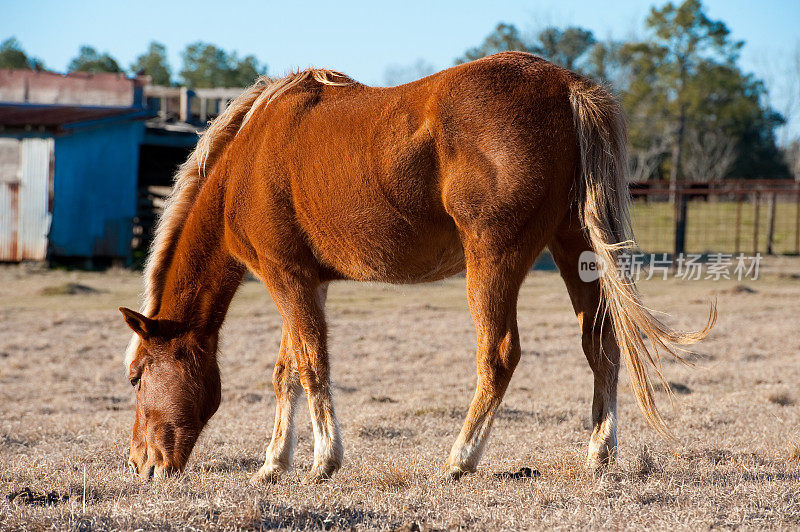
9 197
25 174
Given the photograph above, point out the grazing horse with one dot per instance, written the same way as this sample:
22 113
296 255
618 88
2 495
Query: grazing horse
314 178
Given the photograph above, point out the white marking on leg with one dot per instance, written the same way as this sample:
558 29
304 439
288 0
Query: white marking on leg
328 448
603 442
280 452
471 442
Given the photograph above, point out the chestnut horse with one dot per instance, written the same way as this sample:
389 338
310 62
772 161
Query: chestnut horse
314 177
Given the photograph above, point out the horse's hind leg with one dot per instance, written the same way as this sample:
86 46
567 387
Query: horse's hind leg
599 345
286 382
493 284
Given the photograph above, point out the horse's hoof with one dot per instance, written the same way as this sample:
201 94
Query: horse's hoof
315 478
266 475
454 474
595 468
319 474
600 458
599 467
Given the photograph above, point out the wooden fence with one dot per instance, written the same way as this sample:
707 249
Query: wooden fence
737 217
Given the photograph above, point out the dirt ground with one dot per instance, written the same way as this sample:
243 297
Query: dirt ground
403 365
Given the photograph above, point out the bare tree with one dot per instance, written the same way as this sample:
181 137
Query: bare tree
792 149
792 155
643 160
791 91
709 155
780 72
650 138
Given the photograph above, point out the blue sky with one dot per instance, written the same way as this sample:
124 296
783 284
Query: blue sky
363 38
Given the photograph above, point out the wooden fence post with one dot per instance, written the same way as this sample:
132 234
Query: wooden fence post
771 226
680 224
738 222
756 216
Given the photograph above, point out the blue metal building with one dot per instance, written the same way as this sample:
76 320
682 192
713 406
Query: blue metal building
68 181
86 160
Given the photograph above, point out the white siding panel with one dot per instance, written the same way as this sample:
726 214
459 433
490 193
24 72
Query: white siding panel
33 196
9 198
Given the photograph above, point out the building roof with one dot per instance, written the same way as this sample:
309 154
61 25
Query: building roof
75 88
16 115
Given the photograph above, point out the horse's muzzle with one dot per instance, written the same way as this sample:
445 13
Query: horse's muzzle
148 469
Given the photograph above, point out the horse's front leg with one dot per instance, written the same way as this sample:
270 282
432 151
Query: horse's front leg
286 382
309 342
301 302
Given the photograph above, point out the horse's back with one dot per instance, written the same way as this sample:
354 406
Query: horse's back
382 182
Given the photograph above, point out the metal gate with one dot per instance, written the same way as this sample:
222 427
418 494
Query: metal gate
24 197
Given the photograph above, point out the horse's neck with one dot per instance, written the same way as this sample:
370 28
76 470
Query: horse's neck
203 276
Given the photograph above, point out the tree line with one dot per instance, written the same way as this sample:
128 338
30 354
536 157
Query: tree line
204 65
692 111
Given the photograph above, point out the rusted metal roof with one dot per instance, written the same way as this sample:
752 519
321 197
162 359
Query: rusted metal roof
75 88
14 115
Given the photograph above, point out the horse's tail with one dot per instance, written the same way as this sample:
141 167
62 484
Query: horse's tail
604 199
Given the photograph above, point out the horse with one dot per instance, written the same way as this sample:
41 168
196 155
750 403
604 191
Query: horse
313 177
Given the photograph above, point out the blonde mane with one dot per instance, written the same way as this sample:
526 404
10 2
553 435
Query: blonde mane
192 173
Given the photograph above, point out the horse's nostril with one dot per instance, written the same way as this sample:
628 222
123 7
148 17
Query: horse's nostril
151 470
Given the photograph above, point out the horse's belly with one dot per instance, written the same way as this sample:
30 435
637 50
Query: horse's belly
399 255
386 226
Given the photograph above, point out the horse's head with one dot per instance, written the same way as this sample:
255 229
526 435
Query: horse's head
175 373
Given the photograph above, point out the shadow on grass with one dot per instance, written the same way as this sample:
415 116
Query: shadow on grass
281 517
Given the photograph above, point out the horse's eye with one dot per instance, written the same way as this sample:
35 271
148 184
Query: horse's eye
135 380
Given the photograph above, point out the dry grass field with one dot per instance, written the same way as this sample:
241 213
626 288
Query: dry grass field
403 367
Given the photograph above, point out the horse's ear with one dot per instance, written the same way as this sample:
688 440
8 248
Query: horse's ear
139 323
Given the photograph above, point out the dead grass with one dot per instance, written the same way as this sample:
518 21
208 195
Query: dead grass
403 364
794 452
391 479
